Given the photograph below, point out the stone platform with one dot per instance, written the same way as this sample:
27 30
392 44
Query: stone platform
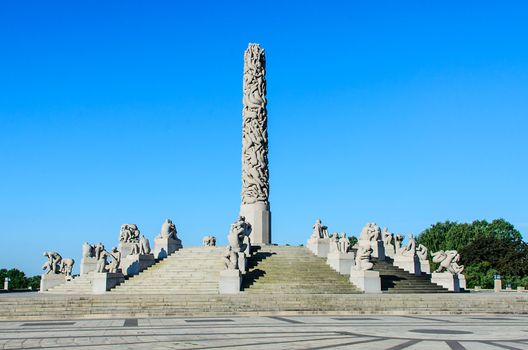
272 332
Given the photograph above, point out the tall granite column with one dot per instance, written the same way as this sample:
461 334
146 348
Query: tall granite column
255 175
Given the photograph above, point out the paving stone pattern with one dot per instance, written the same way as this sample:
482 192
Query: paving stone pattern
285 332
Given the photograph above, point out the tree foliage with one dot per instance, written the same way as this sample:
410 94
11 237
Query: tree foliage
485 249
18 279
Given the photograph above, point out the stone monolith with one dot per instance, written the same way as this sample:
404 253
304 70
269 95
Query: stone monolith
255 175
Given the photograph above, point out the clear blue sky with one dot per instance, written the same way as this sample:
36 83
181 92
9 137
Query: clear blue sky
404 113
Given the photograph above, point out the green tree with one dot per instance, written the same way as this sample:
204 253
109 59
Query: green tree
485 249
353 240
18 279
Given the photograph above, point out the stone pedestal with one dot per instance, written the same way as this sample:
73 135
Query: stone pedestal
88 265
127 248
408 263
319 246
378 249
230 282
341 262
367 280
425 266
446 280
133 264
462 281
163 247
497 286
102 282
259 216
51 280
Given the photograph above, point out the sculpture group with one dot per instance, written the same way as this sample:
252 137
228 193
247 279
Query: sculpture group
374 243
55 264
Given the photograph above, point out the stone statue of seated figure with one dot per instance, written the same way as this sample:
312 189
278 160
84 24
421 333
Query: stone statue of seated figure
230 258
168 230
422 251
363 259
410 249
319 230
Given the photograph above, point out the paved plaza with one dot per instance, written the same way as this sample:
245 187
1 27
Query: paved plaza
272 332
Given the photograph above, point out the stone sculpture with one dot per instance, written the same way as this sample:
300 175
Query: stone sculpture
255 173
363 259
230 258
129 233
410 249
370 232
98 250
88 250
209 241
334 242
167 242
319 230
144 245
52 265
422 251
343 245
238 234
398 239
66 266
57 265
113 266
57 270
448 261
168 230
255 182
101 262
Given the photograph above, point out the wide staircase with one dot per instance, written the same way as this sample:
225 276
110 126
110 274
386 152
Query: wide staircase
292 270
397 280
187 271
78 285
